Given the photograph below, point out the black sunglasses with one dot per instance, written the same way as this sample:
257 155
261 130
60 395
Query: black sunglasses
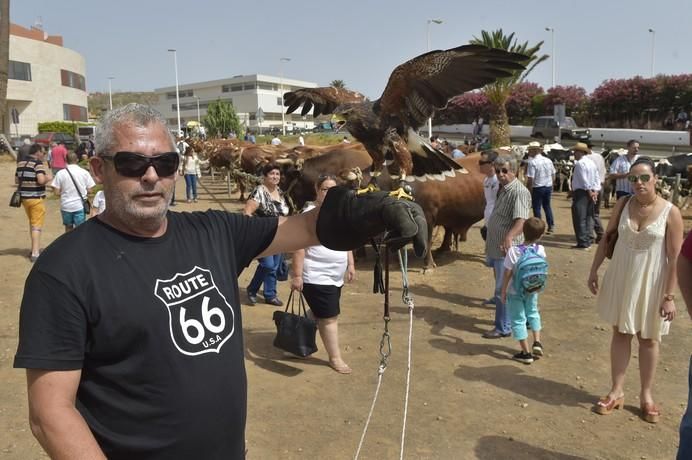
644 178
130 164
502 170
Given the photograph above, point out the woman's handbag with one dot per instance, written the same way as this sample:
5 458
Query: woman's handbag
295 333
85 198
16 199
612 237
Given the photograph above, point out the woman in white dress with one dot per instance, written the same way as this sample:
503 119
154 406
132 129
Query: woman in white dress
636 296
319 273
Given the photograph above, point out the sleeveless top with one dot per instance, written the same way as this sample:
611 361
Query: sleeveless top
632 289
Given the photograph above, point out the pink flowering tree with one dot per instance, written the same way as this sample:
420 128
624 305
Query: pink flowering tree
520 105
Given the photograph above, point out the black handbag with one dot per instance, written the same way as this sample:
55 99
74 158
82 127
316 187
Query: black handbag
295 333
85 199
16 199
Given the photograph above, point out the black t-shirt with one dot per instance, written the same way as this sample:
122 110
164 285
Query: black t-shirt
154 324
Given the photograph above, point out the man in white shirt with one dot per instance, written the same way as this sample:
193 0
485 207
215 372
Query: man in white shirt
599 161
276 140
301 140
73 191
621 168
540 174
585 188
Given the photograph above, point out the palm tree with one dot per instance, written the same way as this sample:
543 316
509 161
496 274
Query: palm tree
4 63
338 84
499 91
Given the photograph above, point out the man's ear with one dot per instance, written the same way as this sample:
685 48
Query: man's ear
96 165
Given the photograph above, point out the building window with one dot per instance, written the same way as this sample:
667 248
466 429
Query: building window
74 113
19 71
250 86
267 86
183 93
73 80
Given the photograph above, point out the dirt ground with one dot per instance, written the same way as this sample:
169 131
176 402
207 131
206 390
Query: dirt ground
468 399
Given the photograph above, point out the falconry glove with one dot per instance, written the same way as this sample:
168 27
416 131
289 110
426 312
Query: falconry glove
347 221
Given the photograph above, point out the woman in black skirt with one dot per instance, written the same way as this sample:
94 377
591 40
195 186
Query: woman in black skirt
319 273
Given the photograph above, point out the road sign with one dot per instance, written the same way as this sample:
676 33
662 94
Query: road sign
15 116
559 112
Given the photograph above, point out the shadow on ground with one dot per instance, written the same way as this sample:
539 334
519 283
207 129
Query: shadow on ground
260 350
512 378
494 447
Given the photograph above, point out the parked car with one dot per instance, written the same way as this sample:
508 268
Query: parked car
549 128
48 137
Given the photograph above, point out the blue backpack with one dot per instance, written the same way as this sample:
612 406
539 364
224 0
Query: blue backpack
530 271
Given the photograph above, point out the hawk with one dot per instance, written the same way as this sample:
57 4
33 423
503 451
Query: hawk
387 127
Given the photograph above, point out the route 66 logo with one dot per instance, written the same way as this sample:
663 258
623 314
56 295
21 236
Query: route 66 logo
200 318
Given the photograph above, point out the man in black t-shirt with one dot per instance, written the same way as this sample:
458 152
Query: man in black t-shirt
133 344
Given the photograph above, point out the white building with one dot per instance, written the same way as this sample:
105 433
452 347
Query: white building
45 82
247 93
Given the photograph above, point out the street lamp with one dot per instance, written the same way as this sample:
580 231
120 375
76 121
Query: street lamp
110 93
653 50
427 36
177 90
281 90
199 123
552 53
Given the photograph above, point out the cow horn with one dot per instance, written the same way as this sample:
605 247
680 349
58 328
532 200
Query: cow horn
283 161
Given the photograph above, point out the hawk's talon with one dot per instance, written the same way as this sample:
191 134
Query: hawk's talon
400 193
369 188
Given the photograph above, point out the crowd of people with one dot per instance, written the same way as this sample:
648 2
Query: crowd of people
96 367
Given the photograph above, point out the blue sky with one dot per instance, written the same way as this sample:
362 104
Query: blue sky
357 41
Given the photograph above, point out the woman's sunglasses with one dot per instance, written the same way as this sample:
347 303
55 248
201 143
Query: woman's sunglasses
130 164
644 178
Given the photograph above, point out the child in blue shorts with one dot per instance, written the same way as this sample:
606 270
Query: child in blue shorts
523 306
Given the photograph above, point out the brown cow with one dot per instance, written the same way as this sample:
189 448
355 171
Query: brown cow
455 203
254 157
298 180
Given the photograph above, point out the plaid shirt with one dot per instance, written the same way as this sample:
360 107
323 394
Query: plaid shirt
513 202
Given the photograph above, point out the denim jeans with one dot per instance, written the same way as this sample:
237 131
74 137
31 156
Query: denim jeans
582 217
265 273
191 186
540 198
502 323
685 449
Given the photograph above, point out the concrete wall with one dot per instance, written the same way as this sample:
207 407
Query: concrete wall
618 136
42 98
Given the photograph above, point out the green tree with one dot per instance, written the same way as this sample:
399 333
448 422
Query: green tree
499 92
4 63
338 84
221 119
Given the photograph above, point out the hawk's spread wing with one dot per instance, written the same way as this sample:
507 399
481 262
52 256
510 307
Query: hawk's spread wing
417 87
325 99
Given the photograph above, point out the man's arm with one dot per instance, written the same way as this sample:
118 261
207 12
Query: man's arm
55 422
516 229
293 233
